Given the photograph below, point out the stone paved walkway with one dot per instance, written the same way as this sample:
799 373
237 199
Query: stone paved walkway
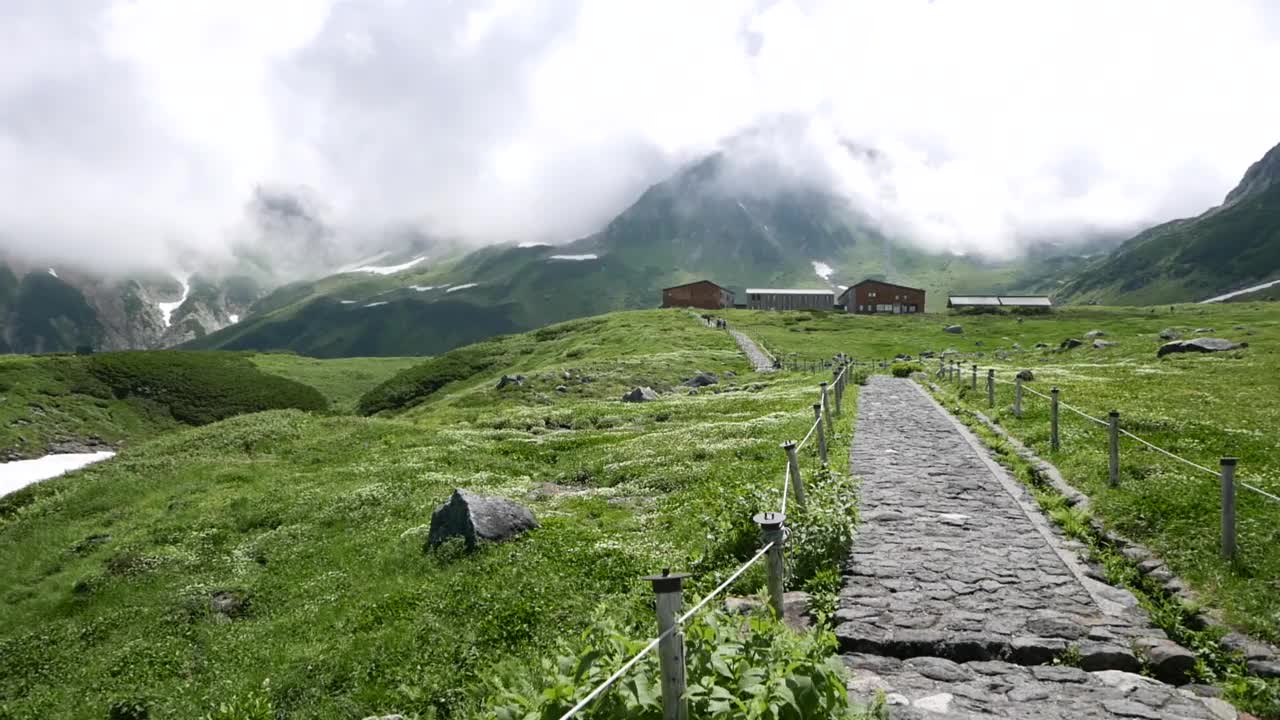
959 593
759 360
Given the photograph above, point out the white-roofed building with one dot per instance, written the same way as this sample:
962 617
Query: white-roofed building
998 301
790 299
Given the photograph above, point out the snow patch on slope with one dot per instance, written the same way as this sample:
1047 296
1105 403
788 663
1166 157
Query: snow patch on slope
234 318
51 272
586 256
167 309
1237 293
464 286
823 270
21 473
533 244
387 269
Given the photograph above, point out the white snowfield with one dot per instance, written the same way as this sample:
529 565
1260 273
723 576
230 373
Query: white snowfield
51 272
1237 293
234 318
21 473
167 309
823 270
386 269
422 288
464 286
533 244
376 304
587 256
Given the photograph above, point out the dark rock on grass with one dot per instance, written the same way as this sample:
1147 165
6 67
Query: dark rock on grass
1042 346
1070 343
509 380
1170 334
953 329
475 517
1026 375
1095 334
640 394
1202 331
89 445
1103 344
1169 661
1264 668
1199 345
702 379
229 604
562 389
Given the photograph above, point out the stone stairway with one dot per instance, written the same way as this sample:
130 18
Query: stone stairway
959 594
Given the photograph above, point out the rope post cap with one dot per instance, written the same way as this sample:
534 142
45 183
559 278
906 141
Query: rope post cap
991 371
1114 414
823 383
666 581
789 444
817 406
1054 391
769 520
1229 461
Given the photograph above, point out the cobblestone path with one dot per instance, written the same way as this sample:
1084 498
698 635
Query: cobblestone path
959 593
759 360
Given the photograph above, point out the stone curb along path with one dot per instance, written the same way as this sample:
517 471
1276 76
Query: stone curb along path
759 360
959 593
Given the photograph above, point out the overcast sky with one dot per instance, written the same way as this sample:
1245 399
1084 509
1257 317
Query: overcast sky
129 128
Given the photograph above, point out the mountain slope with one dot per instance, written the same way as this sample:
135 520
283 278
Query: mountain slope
1234 245
709 220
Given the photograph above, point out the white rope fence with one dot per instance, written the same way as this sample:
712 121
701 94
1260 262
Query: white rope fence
669 643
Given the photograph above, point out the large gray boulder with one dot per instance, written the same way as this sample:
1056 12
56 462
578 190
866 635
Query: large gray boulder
953 329
475 517
640 394
1100 344
702 379
1200 345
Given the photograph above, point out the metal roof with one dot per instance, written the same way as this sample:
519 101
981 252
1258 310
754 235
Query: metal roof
697 282
990 300
886 282
792 291
1026 300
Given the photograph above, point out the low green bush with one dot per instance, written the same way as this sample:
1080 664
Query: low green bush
412 386
199 388
904 369
753 668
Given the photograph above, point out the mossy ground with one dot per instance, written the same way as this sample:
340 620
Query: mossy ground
317 523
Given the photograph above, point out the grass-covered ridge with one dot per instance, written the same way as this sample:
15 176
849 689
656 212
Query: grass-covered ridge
1201 407
315 524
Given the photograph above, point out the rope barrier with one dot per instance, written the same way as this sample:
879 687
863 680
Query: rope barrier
1260 491
1083 414
786 486
813 428
609 681
724 585
1162 451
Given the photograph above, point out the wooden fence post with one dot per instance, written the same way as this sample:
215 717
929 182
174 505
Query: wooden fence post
835 377
1053 420
822 435
1017 396
797 482
826 407
667 586
772 532
973 385
991 387
1113 431
1227 467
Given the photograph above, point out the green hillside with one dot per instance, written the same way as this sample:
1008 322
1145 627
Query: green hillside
309 530
1229 247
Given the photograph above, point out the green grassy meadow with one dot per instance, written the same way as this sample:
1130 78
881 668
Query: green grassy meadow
1199 406
314 523
341 380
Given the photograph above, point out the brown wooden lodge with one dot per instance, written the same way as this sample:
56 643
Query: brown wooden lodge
870 297
701 294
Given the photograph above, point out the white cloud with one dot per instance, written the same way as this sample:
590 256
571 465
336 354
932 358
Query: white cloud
131 130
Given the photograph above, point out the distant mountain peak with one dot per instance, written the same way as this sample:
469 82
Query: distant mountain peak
1260 177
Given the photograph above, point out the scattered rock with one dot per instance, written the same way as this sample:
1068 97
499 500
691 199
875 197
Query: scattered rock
549 490
1201 345
926 355
1102 344
953 329
796 608
566 375
88 445
1070 343
640 394
702 379
1169 661
1026 375
1202 331
1264 668
1017 346
562 388
1042 346
730 373
977 343
1095 334
508 380
1170 334
475 517
229 604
